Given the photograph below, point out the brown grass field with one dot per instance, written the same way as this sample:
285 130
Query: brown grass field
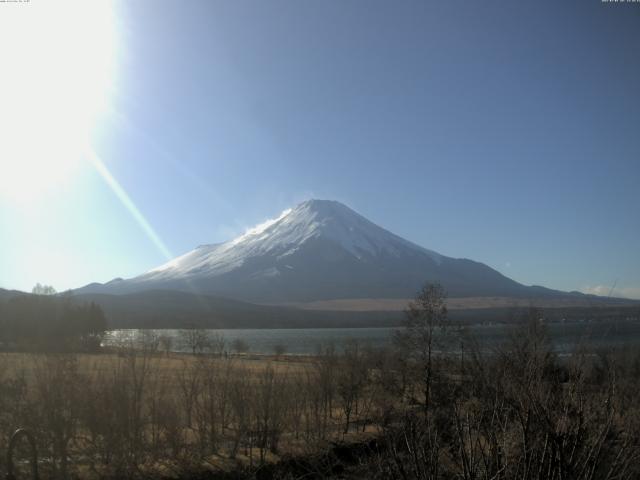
521 412
70 392
456 303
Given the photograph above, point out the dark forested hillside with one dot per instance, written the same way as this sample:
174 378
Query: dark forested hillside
50 323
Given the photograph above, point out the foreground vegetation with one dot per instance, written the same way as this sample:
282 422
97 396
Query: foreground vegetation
408 412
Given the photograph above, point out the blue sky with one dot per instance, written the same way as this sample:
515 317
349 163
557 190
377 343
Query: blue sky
505 132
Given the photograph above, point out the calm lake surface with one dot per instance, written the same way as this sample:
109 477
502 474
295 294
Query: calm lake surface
565 337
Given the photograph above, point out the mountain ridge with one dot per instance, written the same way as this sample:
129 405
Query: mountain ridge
320 250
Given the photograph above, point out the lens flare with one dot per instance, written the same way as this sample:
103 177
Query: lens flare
128 203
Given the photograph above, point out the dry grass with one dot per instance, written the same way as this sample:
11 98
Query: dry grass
455 303
12 363
162 408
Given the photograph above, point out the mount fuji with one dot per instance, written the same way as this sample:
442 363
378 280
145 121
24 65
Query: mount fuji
319 250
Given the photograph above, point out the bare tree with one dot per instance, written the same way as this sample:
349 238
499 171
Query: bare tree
425 315
166 343
240 345
279 349
351 379
58 398
148 341
190 385
270 405
195 339
241 412
217 344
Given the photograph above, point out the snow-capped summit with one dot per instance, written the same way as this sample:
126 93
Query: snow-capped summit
318 250
285 235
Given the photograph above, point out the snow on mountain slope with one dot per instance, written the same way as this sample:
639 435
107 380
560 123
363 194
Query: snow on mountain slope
284 235
318 250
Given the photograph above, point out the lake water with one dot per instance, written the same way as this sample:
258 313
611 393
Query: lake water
565 336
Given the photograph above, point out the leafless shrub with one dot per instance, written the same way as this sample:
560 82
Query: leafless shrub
351 380
195 339
279 349
56 407
270 405
166 343
240 345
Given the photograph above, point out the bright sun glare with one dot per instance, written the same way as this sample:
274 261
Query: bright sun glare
57 71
